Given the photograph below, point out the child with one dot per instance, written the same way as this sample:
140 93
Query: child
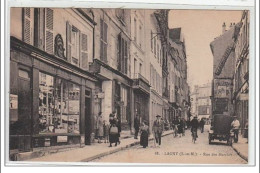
106 131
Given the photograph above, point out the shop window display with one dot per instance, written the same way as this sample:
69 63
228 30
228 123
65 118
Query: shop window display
59 103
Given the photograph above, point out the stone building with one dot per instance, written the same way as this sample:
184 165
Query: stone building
51 87
223 68
201 103
67 65
140 63
179 88
241 72
231 71
111 64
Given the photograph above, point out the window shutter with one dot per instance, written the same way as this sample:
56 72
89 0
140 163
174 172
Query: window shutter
126 58
49 45
27 26
68 41
105 42
155 46
101 40
119 52
84 51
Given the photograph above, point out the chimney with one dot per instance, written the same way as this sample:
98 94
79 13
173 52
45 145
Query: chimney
223 28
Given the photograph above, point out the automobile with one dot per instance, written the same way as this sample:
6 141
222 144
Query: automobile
221 129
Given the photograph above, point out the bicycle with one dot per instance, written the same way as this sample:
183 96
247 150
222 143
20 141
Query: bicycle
194 135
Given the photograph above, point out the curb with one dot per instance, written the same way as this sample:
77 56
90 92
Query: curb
240 154
117 149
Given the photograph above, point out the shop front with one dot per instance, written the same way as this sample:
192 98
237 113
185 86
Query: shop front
51 100
117 93
141 89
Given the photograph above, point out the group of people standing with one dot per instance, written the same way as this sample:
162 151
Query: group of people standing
110 132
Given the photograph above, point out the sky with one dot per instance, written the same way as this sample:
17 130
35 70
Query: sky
199 28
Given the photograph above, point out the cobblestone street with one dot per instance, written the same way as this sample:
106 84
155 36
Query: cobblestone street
178 150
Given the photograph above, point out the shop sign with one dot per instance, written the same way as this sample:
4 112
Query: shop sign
62 138
222 88
13 101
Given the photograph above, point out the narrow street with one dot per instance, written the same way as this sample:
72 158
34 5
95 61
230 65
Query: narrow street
178 150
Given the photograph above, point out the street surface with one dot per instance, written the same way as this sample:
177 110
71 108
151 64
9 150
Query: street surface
178 150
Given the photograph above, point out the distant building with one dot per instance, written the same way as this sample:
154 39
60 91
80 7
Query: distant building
178 86
200 101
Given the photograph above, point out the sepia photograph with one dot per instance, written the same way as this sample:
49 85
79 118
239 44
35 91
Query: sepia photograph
121 85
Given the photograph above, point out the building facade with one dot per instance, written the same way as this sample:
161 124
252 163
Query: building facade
67 65
231 71
179 88
51 88
241 72
201 103
223 67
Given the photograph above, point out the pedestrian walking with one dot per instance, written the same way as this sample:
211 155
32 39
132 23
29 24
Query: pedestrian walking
175 127
112 116
179 126
113 132
158 128
235 127
136 125
100 130
106 131
144 130
202 123
118 124
184 126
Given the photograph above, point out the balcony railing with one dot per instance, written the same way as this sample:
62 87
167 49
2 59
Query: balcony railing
141 82
139 76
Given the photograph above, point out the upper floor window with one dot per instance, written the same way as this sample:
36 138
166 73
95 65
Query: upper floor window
28 25
152 41
49 31
154 47
120 13
122 55
158 53
140 68
77 47
140 36
135 30
103 40
43 28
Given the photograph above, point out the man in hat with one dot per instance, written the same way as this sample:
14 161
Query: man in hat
158 127
235 127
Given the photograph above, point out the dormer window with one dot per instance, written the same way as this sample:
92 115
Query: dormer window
120 14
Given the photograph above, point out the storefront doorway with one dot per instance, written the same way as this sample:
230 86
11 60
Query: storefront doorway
20 126
87 119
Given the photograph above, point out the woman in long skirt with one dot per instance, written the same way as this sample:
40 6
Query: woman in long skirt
144 135
113 134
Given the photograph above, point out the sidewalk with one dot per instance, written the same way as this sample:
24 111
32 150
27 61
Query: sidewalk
91 152
241 147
